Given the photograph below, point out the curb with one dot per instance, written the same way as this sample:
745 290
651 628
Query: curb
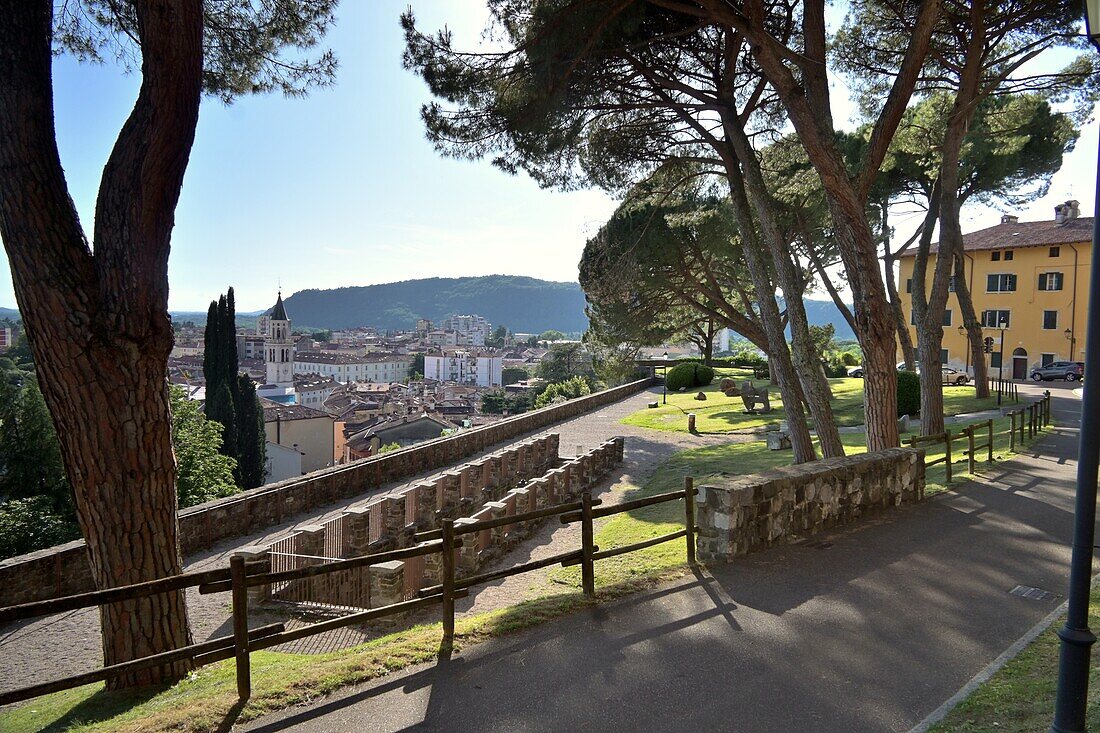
993 667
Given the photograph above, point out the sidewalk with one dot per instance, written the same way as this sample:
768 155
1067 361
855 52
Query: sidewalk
869 631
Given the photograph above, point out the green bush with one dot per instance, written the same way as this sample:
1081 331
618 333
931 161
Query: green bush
849 358
688 375
908 393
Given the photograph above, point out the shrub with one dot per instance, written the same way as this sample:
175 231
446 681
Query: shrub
849 358
688 375
908 393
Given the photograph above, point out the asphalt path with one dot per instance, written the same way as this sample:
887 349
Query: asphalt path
870 630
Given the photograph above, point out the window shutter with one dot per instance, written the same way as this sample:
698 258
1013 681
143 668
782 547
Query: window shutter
1043 281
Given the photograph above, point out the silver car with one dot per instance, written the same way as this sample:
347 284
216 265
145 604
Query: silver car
1070 371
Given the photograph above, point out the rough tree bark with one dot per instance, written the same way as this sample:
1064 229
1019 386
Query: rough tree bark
98 322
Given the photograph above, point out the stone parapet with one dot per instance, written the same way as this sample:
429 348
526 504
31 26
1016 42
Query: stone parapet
746 513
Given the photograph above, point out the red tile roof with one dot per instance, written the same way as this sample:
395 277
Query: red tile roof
1025 234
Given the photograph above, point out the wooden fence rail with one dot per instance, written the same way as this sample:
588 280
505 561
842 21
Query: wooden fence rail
241 575
1031 418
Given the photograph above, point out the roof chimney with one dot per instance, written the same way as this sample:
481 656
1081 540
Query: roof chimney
1060 214
1073 209
1009 219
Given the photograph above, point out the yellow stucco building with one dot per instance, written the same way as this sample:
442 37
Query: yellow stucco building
1031 277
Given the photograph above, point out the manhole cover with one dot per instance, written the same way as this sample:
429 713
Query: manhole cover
1034 594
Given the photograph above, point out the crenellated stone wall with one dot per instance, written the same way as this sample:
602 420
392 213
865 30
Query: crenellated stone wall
745 513
64 570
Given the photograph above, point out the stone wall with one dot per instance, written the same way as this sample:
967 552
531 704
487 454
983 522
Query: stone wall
745 513
63 570
501 496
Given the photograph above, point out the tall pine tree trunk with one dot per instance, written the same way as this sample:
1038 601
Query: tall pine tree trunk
973 327
805 359
98 322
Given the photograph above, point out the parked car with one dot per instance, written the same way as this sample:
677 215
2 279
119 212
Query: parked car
856 371
1070 371
954 376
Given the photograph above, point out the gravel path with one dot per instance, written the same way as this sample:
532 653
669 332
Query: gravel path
65 644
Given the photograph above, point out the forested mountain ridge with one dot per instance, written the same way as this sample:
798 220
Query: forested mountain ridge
523 304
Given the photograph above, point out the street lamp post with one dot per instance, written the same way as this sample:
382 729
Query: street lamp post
664 381
1001 366
1069 337
1077 638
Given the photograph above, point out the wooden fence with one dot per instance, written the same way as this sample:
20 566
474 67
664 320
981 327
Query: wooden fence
1034 416
241 576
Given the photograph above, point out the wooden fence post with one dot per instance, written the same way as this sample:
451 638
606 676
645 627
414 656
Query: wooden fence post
989 423
1012 432
947 447
448 584
1046 407
1021 411
588 569
689 517
970 444
237 576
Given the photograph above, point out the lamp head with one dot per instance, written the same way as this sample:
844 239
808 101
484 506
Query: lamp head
1069 334
962 330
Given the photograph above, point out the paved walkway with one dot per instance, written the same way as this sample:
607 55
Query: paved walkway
69 643
869 632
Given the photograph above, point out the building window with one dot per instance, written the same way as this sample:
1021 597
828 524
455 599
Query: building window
909 285
1055 251
951 283
947 317
943 356
995 256
1051 280
1050 320
1047 359
995 360
1000 283
995 318
1008 255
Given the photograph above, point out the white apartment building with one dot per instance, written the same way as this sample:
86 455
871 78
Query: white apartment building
464 367
471 330
344 367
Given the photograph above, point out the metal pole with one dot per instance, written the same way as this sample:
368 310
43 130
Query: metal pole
664 385
1001 370
1077 638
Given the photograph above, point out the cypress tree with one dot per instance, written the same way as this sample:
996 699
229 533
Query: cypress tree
228 347
252 442
219 408
211 357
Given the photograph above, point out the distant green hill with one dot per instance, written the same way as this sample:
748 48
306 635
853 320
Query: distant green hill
523 304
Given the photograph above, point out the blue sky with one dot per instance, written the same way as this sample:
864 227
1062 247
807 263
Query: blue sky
341 188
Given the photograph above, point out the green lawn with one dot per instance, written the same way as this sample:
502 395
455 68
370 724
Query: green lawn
714 462
1019 698
721 414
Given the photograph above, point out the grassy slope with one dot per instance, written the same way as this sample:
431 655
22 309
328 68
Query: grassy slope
721 414
1020 697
